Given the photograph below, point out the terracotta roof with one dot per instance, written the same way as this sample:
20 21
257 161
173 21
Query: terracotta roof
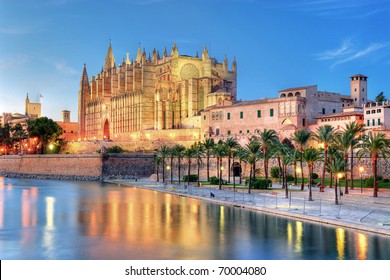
342 114
297 88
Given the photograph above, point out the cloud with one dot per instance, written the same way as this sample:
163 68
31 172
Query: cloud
358 54
345 48
63 68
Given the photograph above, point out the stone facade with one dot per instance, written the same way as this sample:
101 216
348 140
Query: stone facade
151 93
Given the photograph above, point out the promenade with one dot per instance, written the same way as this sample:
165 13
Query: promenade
357 210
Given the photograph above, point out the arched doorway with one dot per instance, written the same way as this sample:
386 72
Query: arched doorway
106 130
236 169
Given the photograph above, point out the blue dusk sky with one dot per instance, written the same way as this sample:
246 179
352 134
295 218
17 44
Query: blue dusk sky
277 44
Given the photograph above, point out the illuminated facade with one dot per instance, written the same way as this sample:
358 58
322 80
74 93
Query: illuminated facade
152 93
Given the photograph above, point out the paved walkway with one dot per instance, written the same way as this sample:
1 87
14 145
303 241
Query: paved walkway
356 210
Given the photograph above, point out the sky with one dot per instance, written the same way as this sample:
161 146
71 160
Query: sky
277 44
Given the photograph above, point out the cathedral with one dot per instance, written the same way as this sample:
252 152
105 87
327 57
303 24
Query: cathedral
152 95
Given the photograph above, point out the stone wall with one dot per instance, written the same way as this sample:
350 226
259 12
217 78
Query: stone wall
77 167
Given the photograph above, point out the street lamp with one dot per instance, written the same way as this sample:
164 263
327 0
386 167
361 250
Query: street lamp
169 168
220 176
361 170
51 147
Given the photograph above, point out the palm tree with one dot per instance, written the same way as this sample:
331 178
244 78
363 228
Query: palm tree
163 153
208 145
301 137
157 162
336 166
324 136
240 154
252 150
355 129
220 151
171 155
199 153
189 153
267 139
285 154
374 145
333 153
342 143
296 156
311 156
231 144
178 151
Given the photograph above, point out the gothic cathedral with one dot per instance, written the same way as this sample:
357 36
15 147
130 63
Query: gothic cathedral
152 93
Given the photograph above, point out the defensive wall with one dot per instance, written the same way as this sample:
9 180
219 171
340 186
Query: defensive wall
77 167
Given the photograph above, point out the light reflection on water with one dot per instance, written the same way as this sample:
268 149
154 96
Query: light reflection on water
79 220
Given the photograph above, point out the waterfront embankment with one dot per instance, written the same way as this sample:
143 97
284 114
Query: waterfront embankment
356 210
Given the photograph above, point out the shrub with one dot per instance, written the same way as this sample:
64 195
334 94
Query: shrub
379 177
386 180
369 182
315 176
193 178
115 150
215 181
275 172
262 184
290 178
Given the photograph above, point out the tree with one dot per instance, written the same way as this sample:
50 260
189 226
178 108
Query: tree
157 162
163 153
336 166
208 145
44 128
171 154
231 144
178 151
342 142
333 153
199 152
301 137
324 136
18 134
5 136
189 153
374 145
267 139
354 129
252 150
220 151
380 97
285 154
311 156
240 154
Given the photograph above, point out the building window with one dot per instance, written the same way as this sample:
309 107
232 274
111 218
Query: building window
259 113
228 116
204 117
367 112
248 131
379 121
379 110
334 111
229 132
240 131
216 131
373 122
303 122
372 111
368 122
271 112
241 115
323 111
355 99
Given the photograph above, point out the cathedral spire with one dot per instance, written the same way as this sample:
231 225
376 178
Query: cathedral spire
205 53
84 82
174 51
139 55
110 59
234 65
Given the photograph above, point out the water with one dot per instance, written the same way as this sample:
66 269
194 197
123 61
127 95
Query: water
88 220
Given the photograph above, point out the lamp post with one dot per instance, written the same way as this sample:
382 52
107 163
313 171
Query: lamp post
361 170
220 176
169 168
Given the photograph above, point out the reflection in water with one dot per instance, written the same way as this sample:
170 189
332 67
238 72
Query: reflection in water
362 246
299 233
71 220
340 243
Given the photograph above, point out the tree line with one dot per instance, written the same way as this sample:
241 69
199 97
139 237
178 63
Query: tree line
44 129
335 153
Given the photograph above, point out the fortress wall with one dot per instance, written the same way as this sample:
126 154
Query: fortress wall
84 167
